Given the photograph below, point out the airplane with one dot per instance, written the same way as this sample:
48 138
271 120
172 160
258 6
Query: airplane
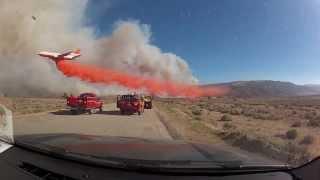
69 55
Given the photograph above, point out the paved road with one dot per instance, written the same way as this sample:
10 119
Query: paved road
109 122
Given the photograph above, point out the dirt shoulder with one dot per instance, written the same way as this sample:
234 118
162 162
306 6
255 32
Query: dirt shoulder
181 128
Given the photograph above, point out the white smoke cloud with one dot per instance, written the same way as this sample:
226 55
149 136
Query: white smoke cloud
58 26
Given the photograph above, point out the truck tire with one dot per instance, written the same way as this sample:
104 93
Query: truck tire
73 112
90 111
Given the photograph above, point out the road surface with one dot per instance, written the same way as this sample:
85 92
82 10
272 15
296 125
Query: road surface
109 122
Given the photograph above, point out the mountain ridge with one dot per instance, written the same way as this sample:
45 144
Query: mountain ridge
267 88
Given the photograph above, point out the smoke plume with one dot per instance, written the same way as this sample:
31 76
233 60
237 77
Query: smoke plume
57 25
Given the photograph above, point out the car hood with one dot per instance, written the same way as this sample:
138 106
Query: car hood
140 149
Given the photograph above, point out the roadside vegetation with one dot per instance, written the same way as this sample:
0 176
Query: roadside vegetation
23 106
286 129
29 105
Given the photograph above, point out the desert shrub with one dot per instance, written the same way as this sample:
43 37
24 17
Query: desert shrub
211 108
226 118
307 140
310 115
197 118
236 111
292 134
297 155
275 116
228 126
2 112
314 123
261 116
196 112
296 124
224 110
203 105
248 112
262 110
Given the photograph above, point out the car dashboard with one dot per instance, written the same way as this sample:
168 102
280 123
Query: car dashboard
22 164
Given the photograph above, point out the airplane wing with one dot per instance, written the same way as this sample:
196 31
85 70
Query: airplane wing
67 55
73 54
49 54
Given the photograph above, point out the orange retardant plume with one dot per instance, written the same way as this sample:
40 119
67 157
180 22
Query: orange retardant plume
94 74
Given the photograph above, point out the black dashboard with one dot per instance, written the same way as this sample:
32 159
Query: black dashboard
19 163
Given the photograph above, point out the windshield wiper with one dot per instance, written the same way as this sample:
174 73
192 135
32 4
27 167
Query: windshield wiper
266 167
173 166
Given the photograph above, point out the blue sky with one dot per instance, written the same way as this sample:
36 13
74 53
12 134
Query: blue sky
227 40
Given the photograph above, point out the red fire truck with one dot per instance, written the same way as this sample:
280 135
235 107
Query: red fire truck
130 104
86 102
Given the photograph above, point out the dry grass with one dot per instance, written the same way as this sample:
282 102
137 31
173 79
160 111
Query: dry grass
25 105
22 106
266 123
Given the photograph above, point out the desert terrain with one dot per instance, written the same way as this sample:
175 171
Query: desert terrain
286 129
282 129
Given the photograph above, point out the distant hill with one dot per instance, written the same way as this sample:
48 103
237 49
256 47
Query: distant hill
266 88
313 86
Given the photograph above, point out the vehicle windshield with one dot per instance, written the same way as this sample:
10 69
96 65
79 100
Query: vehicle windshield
186 84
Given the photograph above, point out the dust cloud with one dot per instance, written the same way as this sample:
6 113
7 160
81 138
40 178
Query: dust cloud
57 25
